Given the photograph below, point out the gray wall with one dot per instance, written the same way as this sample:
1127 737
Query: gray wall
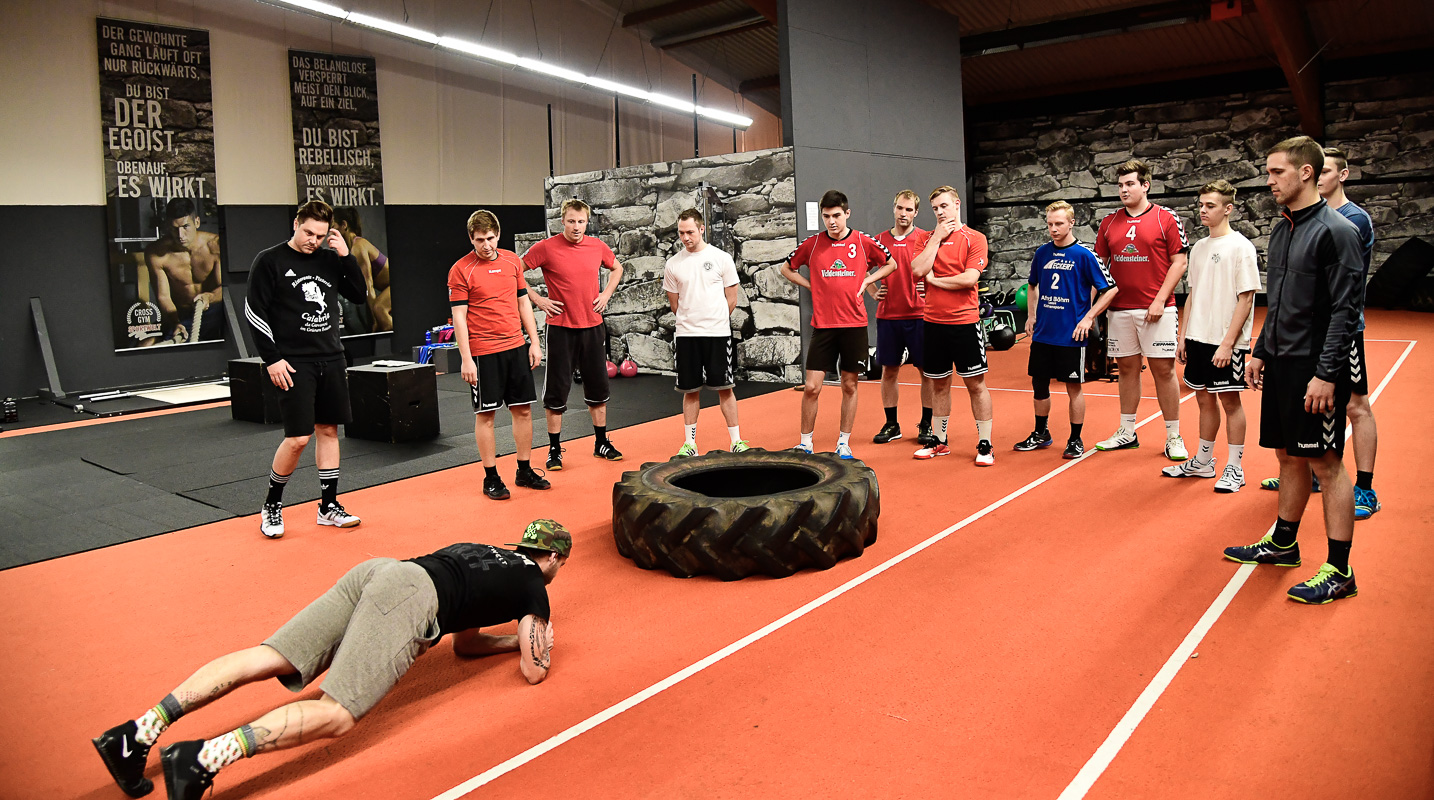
871 104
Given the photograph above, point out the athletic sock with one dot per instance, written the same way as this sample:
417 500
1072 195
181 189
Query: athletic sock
844 439
1041 423
525 466
890 415
221 751
690 431
1364 480
277 483
328 487
1172 428
1206 453
601 432
807 440
1339 555
940 428
926 416
734 433
1285 532
1127 423
983 430
1075 430
153 722
490 472
1237 455
555 440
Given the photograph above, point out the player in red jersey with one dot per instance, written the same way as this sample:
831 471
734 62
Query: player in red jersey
1145 247
951 263
838 261
901 299
491 311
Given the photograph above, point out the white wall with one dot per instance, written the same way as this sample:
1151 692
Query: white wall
454 130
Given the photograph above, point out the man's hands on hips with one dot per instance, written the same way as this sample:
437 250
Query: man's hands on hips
1255 373
1319 396
279 373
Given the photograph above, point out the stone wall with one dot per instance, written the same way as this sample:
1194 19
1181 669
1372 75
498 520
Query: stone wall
1019 165
635 210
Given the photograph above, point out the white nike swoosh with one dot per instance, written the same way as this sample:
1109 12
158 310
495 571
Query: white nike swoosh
124 745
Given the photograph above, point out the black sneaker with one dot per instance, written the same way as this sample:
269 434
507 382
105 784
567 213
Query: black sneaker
1036 441
1075 448
555 459
889 432
607 451
530 478
124 756
494 488
184 777
1265 551
925 437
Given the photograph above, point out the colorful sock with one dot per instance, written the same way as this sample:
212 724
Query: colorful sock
601 432
153 722
890 415
807 440
221 751
328 487
1206 453
1339 555
1237 455
1364 480
926 416
844 439
277 483
690 431
1041 423
1172 428
555 440
1285 532
940 428
983 430
734 433
1127 423
490 472
1075 430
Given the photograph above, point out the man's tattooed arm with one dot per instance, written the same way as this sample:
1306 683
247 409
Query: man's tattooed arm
535 641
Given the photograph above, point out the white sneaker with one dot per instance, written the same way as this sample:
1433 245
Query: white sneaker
1230 480
271 520
1122 439
802 448
843 451
1175 449
1192 468
336 516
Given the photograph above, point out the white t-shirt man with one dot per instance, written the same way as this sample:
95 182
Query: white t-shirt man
1221 269
700 281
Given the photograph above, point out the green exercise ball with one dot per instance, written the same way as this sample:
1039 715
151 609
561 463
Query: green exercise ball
1021 296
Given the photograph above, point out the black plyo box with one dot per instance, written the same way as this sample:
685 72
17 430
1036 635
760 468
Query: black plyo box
252 396
393 404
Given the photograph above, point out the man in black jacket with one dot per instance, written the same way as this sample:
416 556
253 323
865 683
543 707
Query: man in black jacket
293 308
1299 362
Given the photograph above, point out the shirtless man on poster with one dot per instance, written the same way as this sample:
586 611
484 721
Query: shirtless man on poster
184 273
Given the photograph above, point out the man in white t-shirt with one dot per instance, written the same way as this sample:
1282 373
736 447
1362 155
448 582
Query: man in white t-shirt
1215 335
701 285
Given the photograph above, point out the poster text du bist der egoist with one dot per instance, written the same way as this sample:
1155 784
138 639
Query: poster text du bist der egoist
157 130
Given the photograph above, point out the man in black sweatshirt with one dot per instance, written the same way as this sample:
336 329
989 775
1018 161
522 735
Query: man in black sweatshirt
292 307
1314 288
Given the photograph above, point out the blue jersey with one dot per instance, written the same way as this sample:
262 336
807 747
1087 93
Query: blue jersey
1361 220
1063 277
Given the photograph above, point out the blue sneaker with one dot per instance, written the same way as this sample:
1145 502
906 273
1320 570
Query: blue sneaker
1328 585
1265 551
802 448
844 452
1366 502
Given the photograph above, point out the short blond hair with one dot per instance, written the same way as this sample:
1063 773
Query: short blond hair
940 190
484 221
575 205
1061 205
906 194
1221 187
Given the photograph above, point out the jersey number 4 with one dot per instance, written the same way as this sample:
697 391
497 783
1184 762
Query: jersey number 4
1130 233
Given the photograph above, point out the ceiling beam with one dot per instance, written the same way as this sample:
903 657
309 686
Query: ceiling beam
1288 32
758 84
646 15
767 8
728 28
1106 23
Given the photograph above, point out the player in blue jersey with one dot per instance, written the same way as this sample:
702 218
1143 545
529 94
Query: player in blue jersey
1069 288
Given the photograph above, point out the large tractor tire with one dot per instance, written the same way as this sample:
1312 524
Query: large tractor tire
734 515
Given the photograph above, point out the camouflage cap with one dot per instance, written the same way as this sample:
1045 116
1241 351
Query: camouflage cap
546 534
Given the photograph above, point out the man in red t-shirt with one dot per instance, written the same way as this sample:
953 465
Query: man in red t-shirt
1145 248
491 311
951 264
900 300
576 335
838 261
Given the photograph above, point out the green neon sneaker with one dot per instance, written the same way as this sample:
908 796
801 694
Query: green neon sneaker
687 450
741 446
1265 551
1327 585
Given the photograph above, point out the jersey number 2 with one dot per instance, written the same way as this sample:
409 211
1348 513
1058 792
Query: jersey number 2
1055 280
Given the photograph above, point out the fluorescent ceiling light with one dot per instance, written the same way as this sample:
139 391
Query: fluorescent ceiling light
512 59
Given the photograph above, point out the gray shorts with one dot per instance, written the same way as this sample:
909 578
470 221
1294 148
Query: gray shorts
366 631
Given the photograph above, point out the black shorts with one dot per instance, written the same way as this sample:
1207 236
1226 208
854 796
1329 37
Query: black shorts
897 336
1056 362
584 348
1284 423
961 346
830 344
319 396
704 362
1358 367
1201 372
504 379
